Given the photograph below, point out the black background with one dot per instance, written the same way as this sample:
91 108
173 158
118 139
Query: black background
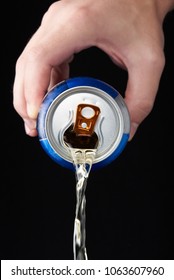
129 203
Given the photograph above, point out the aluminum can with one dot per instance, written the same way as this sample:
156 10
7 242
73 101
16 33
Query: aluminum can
57 113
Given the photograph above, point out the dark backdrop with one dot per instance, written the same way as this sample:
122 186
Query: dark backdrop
129 203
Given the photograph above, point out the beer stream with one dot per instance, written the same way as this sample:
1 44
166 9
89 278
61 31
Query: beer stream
82 142
82 159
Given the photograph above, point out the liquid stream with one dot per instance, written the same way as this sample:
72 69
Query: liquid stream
83 160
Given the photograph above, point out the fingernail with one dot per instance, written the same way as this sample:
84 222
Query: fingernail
32 111
30 128
134 127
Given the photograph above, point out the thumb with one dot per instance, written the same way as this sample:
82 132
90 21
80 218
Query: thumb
142 87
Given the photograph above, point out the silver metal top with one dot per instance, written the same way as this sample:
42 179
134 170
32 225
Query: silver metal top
112 123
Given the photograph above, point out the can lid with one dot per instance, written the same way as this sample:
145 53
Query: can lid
57 113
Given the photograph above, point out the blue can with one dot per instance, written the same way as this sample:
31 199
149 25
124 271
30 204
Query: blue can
95 98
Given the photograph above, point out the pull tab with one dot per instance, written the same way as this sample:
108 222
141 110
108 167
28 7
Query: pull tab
81 134
86 118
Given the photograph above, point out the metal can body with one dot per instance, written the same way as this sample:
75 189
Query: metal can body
57 114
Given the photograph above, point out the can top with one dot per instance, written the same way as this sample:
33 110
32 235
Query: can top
58 112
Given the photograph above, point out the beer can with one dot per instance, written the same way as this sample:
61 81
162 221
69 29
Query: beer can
58 112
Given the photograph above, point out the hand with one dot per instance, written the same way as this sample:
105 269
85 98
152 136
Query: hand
129 31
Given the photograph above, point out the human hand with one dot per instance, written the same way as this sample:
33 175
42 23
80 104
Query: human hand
129 31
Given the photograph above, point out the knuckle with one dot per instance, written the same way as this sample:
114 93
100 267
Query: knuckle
155 57
146 107
81 15
151 57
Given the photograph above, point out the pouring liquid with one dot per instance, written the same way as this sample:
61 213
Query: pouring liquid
82 160
82 143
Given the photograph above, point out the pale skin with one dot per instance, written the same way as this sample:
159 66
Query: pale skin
129 31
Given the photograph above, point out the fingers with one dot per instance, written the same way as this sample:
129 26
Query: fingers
31 84
45 61
143 81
